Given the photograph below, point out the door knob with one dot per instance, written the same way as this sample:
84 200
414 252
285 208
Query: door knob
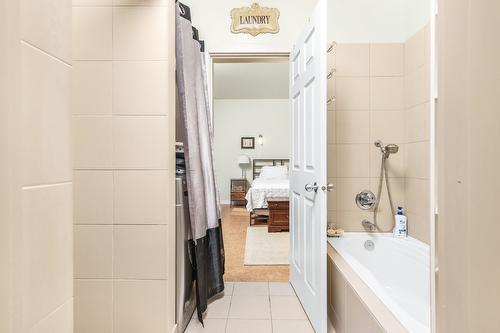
310 188
328 188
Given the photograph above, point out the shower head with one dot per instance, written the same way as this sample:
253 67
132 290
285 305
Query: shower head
386 150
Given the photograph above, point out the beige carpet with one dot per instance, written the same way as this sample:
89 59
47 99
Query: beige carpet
266 248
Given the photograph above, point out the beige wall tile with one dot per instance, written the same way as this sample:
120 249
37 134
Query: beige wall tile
352 60
140 252
386 93
396 164
93 306
93 197
388 126
45 118
332 161
418 123
140 142
358 317
47 25
332 218
338 297
140 2
140 305
417 87
353 126
418 156
139 87
351 221
92 2
92 87
347 189
93 142
140 33
140 197
419 227
417 196
92 33
385 217
331 93
415 51
93 251
353 160
387 59
352 93
46 262
332 196
331 127
59 321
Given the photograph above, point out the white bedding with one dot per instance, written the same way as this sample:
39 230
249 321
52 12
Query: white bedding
266 188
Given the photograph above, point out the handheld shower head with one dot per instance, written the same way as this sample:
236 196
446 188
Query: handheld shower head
386 150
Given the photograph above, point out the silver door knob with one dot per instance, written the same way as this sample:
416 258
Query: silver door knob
328 187
310 188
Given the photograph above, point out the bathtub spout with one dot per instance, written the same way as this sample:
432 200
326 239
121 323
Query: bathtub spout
368 225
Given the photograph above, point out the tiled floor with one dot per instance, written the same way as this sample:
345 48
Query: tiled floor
254 307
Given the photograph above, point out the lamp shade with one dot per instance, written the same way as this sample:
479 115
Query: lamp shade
244 160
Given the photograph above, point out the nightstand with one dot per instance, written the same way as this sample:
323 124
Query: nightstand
278 215
239 188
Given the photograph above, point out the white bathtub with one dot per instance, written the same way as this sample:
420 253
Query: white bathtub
396 270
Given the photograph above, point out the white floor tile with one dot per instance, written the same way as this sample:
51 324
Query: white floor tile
248 326
251 288
286 307
250 307
281 289
228 288
218 308
211 326
292 326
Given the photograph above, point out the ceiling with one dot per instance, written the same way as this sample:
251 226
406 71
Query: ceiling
251 81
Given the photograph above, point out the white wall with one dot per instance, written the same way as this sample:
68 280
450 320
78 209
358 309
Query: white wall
361 21
236 118
212 18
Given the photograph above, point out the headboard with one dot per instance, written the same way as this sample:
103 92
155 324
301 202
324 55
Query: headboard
259 163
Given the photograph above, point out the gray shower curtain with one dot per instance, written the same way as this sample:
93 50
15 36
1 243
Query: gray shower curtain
207 251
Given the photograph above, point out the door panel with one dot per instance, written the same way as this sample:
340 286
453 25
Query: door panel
308 167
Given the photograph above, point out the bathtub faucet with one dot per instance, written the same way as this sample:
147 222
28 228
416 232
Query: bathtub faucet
369 225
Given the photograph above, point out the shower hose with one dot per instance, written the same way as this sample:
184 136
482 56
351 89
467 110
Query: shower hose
383 172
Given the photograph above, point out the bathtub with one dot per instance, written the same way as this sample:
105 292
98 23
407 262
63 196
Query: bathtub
395 270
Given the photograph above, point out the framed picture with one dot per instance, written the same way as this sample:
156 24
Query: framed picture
248 143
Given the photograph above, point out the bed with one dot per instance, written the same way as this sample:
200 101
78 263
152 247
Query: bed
270 180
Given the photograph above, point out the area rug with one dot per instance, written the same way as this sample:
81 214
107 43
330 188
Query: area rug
264 248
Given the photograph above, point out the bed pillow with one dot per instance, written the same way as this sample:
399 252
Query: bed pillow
274 172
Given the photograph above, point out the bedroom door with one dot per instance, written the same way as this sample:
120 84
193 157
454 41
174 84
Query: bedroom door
308 168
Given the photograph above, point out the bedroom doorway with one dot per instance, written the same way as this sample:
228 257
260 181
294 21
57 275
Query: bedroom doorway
250 103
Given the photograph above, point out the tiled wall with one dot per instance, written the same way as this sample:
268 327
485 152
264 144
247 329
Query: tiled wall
39 182
122 166
417 109
380 92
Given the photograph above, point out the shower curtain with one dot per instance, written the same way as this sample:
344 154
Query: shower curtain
207 253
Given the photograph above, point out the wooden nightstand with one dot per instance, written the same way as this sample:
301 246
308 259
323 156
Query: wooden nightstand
239 188
278 215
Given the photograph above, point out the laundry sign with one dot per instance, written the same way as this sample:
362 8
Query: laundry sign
255 20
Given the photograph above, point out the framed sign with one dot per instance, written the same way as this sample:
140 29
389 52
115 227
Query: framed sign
248 143
255 20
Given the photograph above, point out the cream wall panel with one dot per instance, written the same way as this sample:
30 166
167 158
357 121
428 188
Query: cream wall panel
93 197
93 142
140 142
140 306
93 251
93 306
92 33
139 87
45 118
59 321
418 160
140 252
140 33
46 24
46 257
92 88
140 197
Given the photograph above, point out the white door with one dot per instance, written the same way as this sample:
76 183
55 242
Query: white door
308 168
